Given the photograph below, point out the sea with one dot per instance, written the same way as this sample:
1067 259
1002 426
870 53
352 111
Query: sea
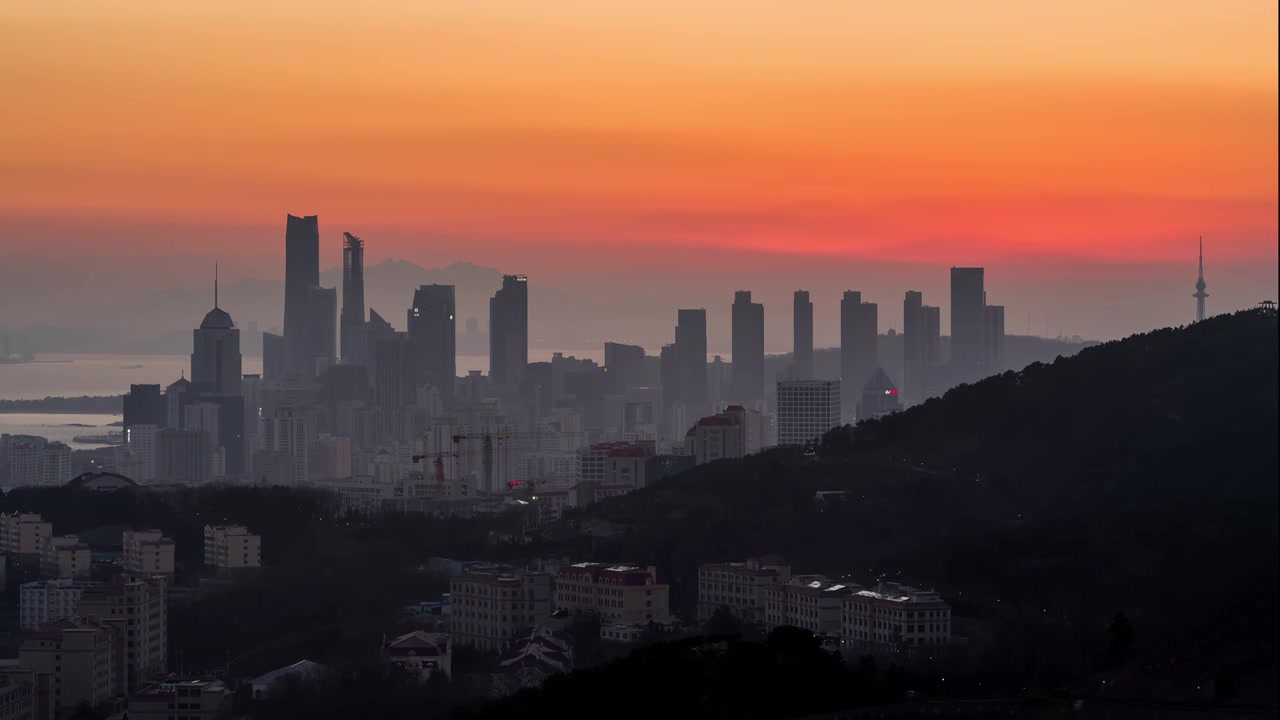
75 375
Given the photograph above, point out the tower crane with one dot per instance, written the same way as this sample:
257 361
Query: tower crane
439 458
487 440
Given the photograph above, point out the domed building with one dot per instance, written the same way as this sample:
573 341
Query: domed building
215 352
101 482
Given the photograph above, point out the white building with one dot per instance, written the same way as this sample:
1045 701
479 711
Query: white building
894 618
807 409
40 603
141 439
56 468
285 434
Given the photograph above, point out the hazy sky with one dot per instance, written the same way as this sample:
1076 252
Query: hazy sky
710 142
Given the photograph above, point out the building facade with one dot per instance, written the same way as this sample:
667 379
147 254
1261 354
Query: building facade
742 587
618 594
147 552
893 618
492 604
807 409
229 548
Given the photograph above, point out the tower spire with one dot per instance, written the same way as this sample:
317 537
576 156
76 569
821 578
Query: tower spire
215 285
1200 294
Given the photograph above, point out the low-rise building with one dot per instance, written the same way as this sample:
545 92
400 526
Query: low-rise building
893 618
19 697
45 601
742 587
65 557
810 602
303 670
623 594
532 655
147 552
79 655
189 700
231 548
420 653
492 604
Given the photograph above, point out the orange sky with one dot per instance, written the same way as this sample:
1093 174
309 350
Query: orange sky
976 132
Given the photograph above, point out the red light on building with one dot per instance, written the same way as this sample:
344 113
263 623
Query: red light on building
890 392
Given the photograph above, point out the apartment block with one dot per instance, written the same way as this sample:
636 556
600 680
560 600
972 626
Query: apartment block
24 533
619 594
894 617
492 604
190 700
65 557
45 601
147 552
740 586
229 548
79 655
810 602
20 696
137 608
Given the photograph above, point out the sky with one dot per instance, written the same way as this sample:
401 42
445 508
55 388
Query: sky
1075 148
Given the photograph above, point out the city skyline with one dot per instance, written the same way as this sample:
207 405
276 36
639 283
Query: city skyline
552 137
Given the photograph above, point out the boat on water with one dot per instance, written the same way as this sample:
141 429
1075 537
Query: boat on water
111 438
130 367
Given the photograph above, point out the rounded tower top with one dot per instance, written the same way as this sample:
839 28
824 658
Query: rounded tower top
217 319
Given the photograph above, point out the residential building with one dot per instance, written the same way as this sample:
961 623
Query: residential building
894 617
147 552
229 548
859 349
807 409
509 331
810 602
80 656
26 464
492 604
285 435
433 334
993 326
45 601
20 696
65 557
182 456
24 533
56 463
621 594
141 440
742 587
717 437
968 324
802 336
188 700
138 609
420 654
747 383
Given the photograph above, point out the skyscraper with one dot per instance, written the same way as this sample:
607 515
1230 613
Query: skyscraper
215 352
807 409
509 331
993 324
1200 293
284 438
931 351
802 348
690 358
275 357
433 333
393 382
859 347
624 365
352 322
747 385
144 405
913 361
321 329
183 456
968 336
301 271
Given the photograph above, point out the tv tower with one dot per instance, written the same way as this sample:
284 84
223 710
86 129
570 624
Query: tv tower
1200 293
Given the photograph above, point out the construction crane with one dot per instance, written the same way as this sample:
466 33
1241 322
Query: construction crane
439 456
487 439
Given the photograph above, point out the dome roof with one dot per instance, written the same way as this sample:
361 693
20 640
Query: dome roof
217 319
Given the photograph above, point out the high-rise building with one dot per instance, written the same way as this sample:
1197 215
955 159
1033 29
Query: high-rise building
352 322
215 352
993 324
182 456
301 272
393 381
690 364
322 329
859 351
275 357
433 334
137 608
624 365
509 331
144 405
141 441
284 435
931 351
56 466
913 342
968 336
802 332
1200 293
747 385
807 409
79 654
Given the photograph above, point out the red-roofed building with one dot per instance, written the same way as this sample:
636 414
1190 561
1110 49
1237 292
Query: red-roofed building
420 653
623 594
